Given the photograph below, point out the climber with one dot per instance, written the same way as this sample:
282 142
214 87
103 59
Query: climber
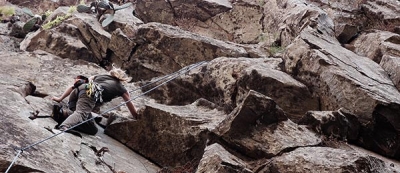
78 80
60 113
100 89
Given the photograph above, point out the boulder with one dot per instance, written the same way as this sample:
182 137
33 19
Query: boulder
259 129
391 65
198 9
226 82
375 44
325 159
343 79
166 132
333 124
163 49
217 159
27 81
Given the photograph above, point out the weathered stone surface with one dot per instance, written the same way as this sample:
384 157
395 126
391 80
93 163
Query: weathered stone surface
346 32
66 39
53 76
64 46
215 80
296 15
82 37
199 9
259 128
122 30
10 44
217 159
145 11
375 44
16 30
227 81
384 13
125 20
19 131
353 17
392 66
347 16
41 6
166 132
342 79
324 159
312 68
255 109
171 10
50 75
119 38
163 49
320 61
241 24
291 95
335 124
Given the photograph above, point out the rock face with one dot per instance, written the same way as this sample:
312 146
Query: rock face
337 124
27 82
332 73
319 161
220 86
169 127
259 129
217 159
163 49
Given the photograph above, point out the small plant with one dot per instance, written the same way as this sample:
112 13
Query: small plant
55 22
59 19
7 11
47 13
102 8
262 37
261 2
274 49
71 9
7 14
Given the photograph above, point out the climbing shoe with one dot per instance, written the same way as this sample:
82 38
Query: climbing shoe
58 114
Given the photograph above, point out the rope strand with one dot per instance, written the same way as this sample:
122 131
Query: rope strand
166 76
15 159
177 74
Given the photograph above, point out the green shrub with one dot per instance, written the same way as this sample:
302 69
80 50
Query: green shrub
56 21
274 49
7 10
59 19
47 13
71 9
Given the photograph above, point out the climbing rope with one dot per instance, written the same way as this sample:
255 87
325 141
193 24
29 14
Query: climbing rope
172 75
186 69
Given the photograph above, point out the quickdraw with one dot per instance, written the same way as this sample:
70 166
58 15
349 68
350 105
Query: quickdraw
95 91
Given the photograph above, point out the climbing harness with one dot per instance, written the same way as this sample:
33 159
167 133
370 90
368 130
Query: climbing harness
172 77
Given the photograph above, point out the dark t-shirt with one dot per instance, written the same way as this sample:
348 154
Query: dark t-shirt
112 87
